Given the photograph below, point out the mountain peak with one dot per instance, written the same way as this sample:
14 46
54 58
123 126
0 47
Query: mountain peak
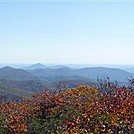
36 66
7 68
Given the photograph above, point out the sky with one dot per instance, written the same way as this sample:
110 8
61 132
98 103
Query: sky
67 32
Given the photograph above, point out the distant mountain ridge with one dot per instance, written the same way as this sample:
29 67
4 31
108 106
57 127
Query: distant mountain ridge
85 73
103 72
39 71
35 66
15 74
130 70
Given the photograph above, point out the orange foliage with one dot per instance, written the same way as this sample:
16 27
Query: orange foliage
82 110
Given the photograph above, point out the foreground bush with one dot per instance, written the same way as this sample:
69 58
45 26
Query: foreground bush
81 110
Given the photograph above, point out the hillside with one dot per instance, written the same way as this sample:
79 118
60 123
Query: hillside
15 74
27 85
101 72
131 70
8 93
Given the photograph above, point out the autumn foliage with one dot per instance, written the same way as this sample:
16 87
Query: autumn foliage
81 110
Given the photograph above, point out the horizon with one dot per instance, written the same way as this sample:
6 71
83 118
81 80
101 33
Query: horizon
92 33
23 65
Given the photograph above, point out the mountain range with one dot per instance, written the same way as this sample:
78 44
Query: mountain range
50 74
37 77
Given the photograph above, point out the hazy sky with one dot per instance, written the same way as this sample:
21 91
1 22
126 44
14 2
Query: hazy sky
75 32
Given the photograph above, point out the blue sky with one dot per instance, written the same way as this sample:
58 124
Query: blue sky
67 32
